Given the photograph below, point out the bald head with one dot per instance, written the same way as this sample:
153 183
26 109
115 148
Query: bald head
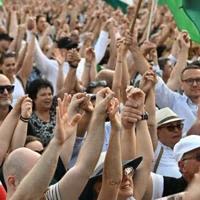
19 163
4 80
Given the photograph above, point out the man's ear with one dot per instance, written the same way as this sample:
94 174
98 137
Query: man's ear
12 181
181 165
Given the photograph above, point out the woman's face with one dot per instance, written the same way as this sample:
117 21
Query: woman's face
126 187
9 68
44 98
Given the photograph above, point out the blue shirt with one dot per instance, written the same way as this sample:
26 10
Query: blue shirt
180 104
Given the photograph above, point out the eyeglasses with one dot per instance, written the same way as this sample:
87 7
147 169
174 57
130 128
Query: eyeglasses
172 127
196 157
9 88
191 81
128 171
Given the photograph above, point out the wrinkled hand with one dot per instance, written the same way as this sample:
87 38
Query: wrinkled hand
148 81
26 108
103 98
73 58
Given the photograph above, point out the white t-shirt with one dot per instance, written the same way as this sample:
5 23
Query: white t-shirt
168 166
18 91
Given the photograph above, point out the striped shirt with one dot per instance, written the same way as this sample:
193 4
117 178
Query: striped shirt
53 193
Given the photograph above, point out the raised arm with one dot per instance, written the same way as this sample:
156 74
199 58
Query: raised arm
20 133
38 179
27 65
174 82
112 176
74 181
147 85
7 129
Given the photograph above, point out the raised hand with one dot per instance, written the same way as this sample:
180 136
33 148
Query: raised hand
103 98
26 108
73 58
133 108
148 81
65 123
135 98
59 57
184 40
90 55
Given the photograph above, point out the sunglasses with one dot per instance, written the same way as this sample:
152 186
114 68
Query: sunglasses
9 88
128 171
173 127
196 157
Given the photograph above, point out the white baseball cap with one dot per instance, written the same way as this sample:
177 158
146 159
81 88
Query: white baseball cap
165 116
185 145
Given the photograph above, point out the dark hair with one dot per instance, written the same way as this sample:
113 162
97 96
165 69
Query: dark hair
162 62
66 43
36 85
31 138
38 18
7 55
193 65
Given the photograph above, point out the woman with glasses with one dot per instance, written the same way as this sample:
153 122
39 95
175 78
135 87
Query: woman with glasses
18 75
112 178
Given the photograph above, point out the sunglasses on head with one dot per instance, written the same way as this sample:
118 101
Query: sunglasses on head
128 171
9 88
195 157
172 127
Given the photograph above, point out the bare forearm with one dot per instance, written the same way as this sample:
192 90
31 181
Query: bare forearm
128 143
174 81
6 132
19 136
151 109
141 63
60 78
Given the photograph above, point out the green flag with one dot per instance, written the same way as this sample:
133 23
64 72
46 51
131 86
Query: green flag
187 16
1 3
121 4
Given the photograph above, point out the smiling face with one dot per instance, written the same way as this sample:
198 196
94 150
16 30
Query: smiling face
43 99
191 83
8 67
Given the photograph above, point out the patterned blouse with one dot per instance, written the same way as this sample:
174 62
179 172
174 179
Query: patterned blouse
42 129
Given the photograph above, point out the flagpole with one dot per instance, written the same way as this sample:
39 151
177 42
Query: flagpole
150 20
135 16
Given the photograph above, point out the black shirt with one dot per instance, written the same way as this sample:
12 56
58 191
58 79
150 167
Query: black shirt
174 185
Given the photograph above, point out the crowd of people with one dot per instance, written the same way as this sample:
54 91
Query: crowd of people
90 109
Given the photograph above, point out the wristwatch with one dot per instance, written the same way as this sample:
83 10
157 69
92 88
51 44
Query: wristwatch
145 116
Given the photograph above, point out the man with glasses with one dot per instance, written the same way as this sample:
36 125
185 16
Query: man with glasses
186 104
6 90
169 132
